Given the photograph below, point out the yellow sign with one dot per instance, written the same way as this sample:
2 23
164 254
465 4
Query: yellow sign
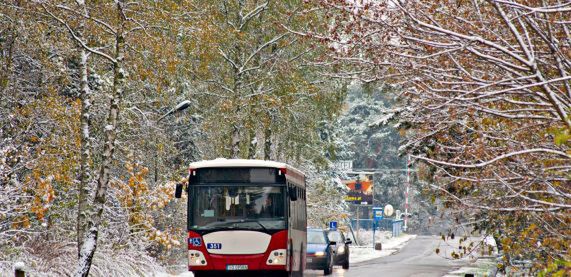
353 198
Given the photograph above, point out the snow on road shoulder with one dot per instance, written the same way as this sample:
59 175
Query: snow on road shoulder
184 274
389 246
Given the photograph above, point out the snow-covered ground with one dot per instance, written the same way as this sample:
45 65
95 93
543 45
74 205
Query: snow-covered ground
480 267
365 251
184 274
482 262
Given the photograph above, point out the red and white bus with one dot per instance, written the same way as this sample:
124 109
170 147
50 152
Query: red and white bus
246 215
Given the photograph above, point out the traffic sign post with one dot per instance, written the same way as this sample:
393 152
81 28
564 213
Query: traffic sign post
377 216
333 225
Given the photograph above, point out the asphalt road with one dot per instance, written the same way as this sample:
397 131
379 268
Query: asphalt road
417 258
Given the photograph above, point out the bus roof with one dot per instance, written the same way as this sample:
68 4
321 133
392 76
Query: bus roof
222 162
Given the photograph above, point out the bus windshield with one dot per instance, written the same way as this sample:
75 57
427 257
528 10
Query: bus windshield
238 207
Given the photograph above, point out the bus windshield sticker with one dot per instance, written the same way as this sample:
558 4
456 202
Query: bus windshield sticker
208 213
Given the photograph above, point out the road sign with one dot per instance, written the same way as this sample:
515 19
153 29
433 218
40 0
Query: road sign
346 165
389 210
377 213
333 225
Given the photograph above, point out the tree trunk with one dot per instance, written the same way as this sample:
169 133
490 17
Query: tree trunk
90 242
268 143
6 65
235 147
253 143
85 148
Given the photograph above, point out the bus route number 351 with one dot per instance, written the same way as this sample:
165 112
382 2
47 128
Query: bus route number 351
214 246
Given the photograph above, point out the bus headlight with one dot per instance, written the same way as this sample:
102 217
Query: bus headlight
319 253
196 258
277 257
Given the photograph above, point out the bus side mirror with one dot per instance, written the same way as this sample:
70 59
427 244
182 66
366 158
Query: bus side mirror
292 193
178 191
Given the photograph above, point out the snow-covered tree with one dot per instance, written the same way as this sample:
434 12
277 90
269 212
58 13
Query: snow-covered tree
325 196
89 147
364 124
255 77
486 106
52 151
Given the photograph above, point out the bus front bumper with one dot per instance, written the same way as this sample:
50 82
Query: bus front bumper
237 263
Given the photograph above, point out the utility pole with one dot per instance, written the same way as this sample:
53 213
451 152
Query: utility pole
406 193
358 221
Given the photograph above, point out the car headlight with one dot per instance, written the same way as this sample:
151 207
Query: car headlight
319 253
277 257
196 258
340 250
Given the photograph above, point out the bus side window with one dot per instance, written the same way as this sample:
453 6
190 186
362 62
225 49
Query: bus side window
301 210
296 209
304 211
292 192
297 212
291 206
300 213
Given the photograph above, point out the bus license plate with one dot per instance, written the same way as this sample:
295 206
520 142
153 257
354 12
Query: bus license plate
237 267
309 260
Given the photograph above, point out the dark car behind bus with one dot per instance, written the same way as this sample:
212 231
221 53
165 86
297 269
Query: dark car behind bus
341 249
319 251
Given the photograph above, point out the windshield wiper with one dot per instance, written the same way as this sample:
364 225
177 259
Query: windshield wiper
261 225
217 224
232 224
248 221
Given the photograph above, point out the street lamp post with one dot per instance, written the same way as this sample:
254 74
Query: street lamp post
178 108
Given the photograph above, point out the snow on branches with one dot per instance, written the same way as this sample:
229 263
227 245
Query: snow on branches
487 91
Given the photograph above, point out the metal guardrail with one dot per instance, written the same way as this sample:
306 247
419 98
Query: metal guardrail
386 224
364 224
